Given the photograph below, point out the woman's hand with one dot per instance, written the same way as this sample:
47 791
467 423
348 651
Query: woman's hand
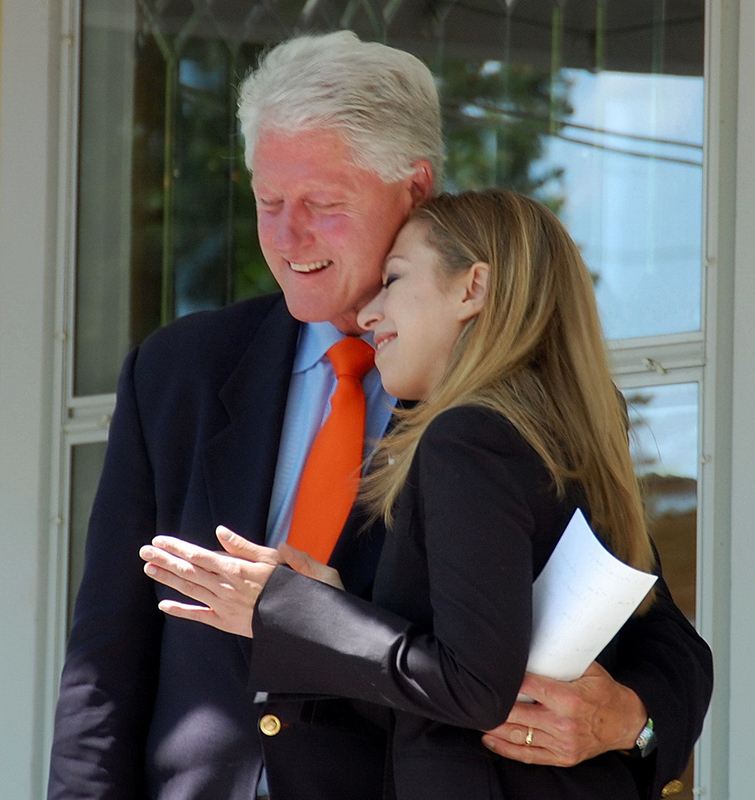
306 565
228 584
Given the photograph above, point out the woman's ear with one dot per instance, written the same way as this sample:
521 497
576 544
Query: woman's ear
475 290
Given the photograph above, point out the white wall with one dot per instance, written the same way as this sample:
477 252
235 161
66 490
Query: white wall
742 696
28 142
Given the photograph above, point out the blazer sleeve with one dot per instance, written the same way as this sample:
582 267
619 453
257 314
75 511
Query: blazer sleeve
110 673
663 659
466 671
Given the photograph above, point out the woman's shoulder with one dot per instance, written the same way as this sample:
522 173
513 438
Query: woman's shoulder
475 423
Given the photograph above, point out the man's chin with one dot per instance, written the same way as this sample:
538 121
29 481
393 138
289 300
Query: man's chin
346 323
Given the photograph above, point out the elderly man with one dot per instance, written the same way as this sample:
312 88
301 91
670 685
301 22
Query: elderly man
215 417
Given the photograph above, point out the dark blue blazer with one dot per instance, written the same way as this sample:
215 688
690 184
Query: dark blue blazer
155 707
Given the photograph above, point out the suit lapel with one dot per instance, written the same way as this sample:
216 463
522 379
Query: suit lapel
239 462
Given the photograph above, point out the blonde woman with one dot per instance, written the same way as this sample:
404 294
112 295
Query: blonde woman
487 319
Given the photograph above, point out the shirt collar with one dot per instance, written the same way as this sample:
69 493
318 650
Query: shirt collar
315 339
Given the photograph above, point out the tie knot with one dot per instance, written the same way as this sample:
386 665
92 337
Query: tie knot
351 356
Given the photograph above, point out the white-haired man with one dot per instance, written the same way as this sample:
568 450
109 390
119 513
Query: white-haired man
214 420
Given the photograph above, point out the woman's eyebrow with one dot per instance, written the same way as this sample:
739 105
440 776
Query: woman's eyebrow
392 256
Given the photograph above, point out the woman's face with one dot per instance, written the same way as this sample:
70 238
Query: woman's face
416 317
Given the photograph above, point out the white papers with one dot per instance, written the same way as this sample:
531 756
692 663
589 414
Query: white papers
580 600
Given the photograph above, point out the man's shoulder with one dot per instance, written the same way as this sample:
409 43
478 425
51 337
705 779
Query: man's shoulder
222 333
238 320
205 348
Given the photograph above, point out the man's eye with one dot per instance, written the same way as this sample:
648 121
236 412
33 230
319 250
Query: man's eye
324 206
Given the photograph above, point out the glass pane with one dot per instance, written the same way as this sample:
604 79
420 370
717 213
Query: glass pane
104 258
601 117
594 106
633 196
86 466
664 443
663 421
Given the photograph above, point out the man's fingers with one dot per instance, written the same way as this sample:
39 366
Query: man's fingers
526 754
543 690
240 547
553 698
527 715
560 695
510 741
596 670
512 735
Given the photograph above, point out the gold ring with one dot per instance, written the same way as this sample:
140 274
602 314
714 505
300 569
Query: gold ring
529 737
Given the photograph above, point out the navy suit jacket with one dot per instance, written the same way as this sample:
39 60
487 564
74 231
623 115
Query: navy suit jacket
156 707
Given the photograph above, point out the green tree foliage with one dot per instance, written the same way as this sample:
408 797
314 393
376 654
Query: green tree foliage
496 120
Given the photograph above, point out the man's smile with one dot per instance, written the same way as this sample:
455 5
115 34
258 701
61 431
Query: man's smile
312 266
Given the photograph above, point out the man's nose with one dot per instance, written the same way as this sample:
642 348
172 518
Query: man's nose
372 313
292 230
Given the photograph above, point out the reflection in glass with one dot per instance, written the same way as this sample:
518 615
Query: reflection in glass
86 466
664 441
106 169
663 423
633 182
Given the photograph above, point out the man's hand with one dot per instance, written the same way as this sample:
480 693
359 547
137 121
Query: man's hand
569 722
228 584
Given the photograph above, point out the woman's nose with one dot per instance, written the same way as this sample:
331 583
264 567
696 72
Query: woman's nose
372 313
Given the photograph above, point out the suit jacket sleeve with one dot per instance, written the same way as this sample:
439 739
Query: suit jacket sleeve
110 674
474 519
669 666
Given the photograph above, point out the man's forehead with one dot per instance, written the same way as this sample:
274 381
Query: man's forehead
328 176
271 168
318 155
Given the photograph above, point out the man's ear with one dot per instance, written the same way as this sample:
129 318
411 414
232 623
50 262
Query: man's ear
475 288
422 181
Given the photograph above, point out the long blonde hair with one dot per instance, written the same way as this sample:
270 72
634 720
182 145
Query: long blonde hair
535 354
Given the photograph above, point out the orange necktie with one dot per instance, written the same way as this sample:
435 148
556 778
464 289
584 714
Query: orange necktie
330 479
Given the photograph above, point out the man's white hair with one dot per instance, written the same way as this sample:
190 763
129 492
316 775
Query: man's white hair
383 101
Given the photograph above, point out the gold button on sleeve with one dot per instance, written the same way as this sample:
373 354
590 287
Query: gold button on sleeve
270 725
672 787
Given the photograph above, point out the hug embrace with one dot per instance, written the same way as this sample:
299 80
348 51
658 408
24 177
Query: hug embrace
265 670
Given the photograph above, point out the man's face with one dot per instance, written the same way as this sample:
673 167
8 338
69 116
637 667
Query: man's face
325 225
